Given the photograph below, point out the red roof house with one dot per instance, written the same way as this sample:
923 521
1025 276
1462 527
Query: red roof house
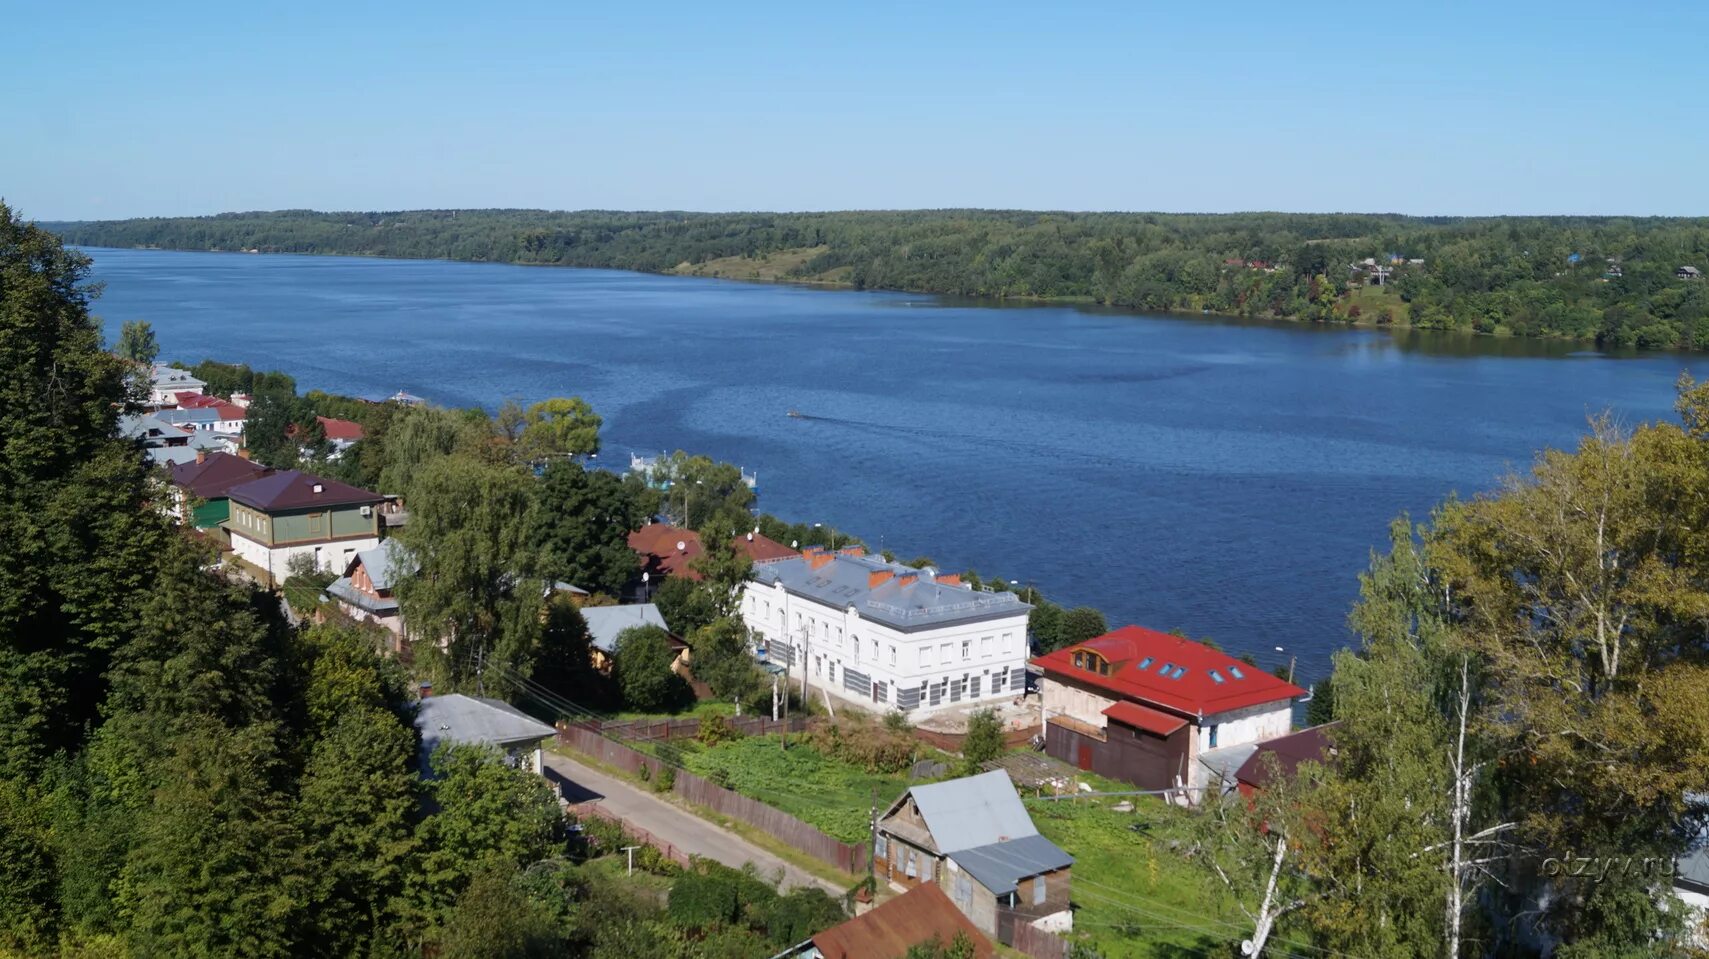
914 918
666 550
340 431
1157 710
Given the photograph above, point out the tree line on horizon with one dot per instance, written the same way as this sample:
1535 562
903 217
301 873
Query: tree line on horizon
1607 279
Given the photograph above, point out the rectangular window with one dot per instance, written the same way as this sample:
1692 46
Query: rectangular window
964 890
967 649
943 653
1008 642
880 846
874 650
925 655
984 646
314 522
1038 891
892 654
1213 737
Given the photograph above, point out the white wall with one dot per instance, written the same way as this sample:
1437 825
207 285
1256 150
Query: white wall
333 556
1250 725
1061 699
828 637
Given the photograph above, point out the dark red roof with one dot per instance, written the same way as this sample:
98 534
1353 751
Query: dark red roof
1196 692
195 401
890 930
1144 717
1306 745
217 473
343 430
656 545
295 489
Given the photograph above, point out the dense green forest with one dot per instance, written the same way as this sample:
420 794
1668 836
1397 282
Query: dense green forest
1608 279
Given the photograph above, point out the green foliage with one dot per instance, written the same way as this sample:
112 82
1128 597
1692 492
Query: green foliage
961 947
723 661
831 794
489 815
495 918
643 657
803 535
137 342
723 568
715 729
28 872
581 524
665 781
984 740
1080 624
1489 274
685 604
1321 709
797 915
469 532
559 427
702 490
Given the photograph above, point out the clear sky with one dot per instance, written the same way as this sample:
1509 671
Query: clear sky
115 109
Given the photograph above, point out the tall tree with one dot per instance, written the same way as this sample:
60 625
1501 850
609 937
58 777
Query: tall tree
700 489
723 568
76 507
137 342
475 589
582 521
560 427
643 658
723 661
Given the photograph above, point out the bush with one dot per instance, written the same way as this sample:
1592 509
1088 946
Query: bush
792 918
875 748
715 729
643 658
665 781
984 740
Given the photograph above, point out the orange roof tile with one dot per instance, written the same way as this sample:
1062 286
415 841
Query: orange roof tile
890 930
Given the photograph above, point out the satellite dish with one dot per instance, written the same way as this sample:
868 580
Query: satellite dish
681 546
750 537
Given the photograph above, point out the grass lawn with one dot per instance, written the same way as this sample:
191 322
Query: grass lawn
834 796
1135 894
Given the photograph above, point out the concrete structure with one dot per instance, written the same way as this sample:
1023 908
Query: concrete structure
473 721
1157 710
972 837
886 636
366 591
292 513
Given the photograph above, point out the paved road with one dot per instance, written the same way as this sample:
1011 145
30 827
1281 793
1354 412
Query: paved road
676 826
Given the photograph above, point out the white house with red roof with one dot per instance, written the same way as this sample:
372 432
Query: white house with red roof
1158 710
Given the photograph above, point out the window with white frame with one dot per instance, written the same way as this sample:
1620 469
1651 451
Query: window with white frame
967 649
925 655
984 646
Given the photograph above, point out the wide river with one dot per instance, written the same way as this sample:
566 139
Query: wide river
1227 479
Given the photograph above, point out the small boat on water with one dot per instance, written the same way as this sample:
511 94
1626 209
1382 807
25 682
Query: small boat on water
795 414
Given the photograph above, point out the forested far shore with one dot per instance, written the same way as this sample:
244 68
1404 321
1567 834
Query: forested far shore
1619 281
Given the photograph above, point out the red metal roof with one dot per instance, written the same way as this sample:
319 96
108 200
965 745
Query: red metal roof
1195 693
336 429
890 930
1144 717
656 544
1308 744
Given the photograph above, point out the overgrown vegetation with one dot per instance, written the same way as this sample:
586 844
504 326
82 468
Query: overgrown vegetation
1610 279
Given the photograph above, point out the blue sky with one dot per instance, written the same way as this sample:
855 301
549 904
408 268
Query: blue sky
164 108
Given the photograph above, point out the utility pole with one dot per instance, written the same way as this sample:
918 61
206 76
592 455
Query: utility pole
631 851
1291 660
872 851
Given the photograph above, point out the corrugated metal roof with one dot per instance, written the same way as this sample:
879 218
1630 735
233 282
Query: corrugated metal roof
605 622
1144 717
456 718
386 563
294 489
973 811
1000 866
1171 672
890 930
889 593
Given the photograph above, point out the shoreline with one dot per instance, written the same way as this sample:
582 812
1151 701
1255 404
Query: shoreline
988 300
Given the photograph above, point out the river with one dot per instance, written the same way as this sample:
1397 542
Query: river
1227 479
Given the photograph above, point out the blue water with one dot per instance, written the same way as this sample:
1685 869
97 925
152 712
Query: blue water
1229 479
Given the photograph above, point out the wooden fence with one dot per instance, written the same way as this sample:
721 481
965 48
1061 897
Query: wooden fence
951 742
652 730
1037 943
642 836
775 822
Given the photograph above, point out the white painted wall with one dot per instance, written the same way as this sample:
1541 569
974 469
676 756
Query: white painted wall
834 639
1061 699
1253 724
333 557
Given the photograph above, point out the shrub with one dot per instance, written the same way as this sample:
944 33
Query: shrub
665 781
875 748
715 729
984 740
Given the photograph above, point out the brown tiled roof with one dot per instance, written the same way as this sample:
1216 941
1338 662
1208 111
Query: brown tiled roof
1310 744
656 545
294 489
890 930
216 474
337 429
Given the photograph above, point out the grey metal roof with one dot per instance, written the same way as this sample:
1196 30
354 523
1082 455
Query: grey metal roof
605 622
387 563
341 588
1000 866
174 378
973 811
149 426
472 720
909 599
200 414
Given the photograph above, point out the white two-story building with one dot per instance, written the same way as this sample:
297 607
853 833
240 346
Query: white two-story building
887 636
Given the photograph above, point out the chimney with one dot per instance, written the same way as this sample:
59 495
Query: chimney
243 453
878 578
950 579
426 690
819 560
907 579
853 551
201 457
